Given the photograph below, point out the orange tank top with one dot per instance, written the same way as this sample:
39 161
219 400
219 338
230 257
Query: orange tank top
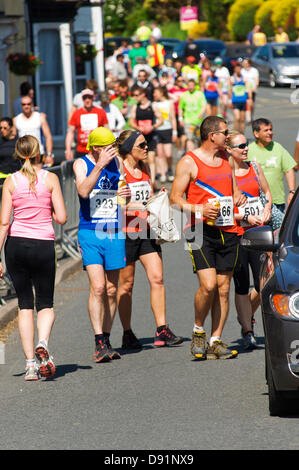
141 191
249 185
211 182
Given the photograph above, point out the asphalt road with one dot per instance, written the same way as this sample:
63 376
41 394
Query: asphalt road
156 398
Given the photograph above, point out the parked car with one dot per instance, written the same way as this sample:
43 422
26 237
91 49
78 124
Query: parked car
170 44
236 53
210 47
279 284
278 63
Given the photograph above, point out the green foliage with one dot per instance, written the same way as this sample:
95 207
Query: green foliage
244 24
116 18
165 11
139 13
238 8
172 30
215 13
267 26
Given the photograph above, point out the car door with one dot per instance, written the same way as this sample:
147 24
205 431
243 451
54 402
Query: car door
261 60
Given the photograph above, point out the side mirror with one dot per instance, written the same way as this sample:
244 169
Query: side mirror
260 239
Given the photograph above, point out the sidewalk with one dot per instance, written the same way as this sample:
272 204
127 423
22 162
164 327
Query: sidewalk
65 268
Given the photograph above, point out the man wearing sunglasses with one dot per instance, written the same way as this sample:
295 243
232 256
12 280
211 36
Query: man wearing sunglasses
203 175
83 121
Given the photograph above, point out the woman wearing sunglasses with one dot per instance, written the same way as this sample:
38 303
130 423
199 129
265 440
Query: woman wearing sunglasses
251 215
132 147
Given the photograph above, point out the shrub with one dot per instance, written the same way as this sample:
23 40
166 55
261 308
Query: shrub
239 8
199 30
244 24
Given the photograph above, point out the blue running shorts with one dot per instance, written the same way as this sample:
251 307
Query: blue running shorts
104 248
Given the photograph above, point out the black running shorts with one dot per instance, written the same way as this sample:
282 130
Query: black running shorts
139 247
219 249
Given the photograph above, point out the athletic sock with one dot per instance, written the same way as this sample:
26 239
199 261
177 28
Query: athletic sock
99 338
198 329
160 328
30 362
213 339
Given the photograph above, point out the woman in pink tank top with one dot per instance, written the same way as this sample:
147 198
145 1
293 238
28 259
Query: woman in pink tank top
34 197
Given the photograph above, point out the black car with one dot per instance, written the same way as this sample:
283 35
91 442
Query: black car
235 53
209 47
279 284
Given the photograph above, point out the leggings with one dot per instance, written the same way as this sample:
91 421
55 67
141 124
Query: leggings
241 273
31 263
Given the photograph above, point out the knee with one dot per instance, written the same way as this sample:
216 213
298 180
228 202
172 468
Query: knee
97 290
156 281
126 287
208 288
224 290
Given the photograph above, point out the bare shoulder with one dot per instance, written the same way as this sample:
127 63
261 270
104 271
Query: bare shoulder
79 167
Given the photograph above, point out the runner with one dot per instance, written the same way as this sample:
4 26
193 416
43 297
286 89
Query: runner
249 178
203 174
132 147
212 90
100 233
83 121
192 107
251 75
30 122
166 133
240 93
175 93
146 118
223 74
34 196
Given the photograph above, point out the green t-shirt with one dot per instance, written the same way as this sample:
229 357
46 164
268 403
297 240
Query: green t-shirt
192 105
137 52
119 103
275 161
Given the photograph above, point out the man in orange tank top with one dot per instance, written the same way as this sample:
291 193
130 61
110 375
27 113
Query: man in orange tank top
206 175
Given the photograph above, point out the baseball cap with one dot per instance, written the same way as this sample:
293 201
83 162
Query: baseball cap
218 61
191 58
100 136
87 92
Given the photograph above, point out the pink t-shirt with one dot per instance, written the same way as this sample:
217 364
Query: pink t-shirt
32 211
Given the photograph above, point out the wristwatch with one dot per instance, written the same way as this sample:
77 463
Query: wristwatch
292 191
245 218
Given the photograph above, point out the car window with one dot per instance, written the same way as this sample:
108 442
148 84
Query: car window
280 51
263 53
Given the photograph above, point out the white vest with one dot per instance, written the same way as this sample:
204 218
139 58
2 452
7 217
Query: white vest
30 126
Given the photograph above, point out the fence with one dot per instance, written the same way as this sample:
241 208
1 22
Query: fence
65 235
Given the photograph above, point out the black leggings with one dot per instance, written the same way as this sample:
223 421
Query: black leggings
31 262
241 273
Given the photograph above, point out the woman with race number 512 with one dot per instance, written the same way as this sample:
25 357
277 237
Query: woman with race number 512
132 147
251 215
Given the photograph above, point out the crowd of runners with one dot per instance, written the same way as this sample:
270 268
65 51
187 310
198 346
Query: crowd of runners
218 183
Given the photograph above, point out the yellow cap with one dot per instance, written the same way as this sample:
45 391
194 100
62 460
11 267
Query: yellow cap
100 136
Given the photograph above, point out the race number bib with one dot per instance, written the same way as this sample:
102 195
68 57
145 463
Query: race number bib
103 204
140 191
226 215
88 122
253 207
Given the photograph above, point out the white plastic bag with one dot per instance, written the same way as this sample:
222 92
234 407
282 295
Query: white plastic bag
160 218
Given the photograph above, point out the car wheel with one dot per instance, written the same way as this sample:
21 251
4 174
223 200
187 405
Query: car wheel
280 403
272 82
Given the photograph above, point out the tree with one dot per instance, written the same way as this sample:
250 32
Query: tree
215 12
116 14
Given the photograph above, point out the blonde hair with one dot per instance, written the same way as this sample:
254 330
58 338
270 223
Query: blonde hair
232 135
27 150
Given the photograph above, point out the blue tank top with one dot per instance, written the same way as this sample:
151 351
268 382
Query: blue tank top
211 88
100 210
239 91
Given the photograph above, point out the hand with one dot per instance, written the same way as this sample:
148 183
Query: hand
254 221
163 190
106 156
49 160
239 198
69 155
1 270
124 192
210 211
266 214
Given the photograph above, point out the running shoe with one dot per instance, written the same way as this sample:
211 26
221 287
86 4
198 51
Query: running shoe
170 176
249 341
163 179
199 345
219 350
101 353
47 367
130 341
167 338
111 352
32 373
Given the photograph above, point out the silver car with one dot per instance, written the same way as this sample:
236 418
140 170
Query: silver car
278 63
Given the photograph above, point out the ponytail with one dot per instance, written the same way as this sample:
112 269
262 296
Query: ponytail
27 151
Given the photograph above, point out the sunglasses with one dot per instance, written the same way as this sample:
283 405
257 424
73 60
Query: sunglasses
26 104
225 132
241 146
142 145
